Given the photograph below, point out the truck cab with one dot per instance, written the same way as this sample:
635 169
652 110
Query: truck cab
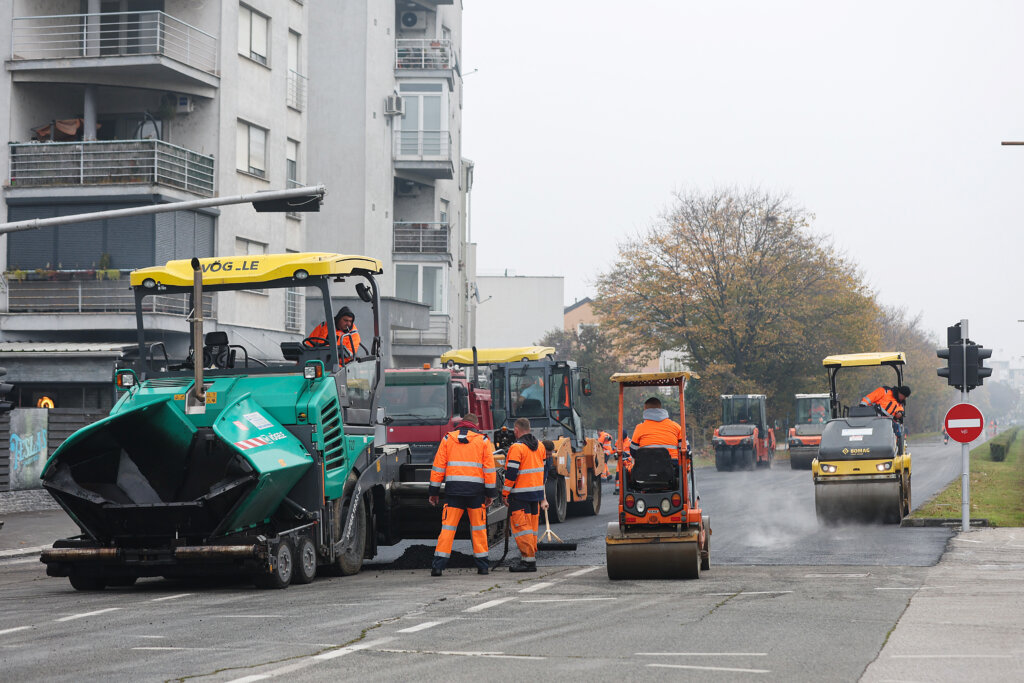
812 412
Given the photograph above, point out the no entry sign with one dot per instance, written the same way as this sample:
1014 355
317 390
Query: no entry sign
964 423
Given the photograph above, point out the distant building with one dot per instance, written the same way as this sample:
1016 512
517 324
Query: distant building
578 314
518 310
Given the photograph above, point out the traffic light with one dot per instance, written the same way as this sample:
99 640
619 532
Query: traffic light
976 370
954 372
5 388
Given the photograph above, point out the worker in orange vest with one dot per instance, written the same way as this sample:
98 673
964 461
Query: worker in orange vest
890 400
605 440
524 493
622 457
464 463
345 329
657 429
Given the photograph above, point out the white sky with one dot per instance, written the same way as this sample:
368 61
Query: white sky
882 118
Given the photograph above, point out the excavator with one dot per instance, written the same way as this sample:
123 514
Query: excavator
661 532
862 472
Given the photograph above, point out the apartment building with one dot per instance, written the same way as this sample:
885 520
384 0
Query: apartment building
119 103
388 146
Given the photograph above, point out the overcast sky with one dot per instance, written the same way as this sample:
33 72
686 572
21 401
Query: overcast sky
882 118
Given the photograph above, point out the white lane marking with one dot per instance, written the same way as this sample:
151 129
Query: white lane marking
701 654
22 551
453 653
537 586
88 614
711 668
165 647
350 649
171 597
953 656
835 576
487 605
569 599
154 637
250 616
15 629
27 560
753 593
581 572
420 627
251 679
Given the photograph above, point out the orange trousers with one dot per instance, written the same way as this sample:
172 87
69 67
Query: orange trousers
450 517
525 524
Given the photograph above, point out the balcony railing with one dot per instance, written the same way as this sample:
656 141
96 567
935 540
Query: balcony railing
420 238
91 296
436 333
113 34
115 162
424 53
423 145
296 95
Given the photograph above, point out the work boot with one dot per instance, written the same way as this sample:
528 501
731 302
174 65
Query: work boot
483 570
434 571
521 566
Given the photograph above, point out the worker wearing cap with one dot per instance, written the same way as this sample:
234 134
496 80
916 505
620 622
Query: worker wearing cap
345 329
524 493
464 463
890 400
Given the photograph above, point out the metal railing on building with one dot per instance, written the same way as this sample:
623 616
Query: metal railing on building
112 162
436 333
419 144
424 53
420 238
82 295
113 34
296 93
294 301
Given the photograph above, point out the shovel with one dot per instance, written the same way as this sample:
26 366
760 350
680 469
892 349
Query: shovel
545 541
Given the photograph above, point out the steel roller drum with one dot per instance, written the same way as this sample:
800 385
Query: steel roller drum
651 555
853 501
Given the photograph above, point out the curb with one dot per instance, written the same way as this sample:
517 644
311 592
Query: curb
22 552
943 521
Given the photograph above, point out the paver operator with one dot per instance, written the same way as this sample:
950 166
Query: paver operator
345 329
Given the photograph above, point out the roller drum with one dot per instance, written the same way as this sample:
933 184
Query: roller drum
640 556
851 501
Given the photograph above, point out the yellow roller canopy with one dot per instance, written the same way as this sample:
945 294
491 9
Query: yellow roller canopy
506 355
851 360
229 270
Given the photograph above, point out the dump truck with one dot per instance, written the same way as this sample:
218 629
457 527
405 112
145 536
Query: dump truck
221 463
744 440
811 414
862 472
660 532
528 382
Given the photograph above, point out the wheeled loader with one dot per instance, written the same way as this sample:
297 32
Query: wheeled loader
219 463
862 472
661 532
744 440
812 413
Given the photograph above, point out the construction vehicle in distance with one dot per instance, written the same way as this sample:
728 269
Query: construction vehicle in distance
804 436
219 463
862 472
528 382
661 532
744 440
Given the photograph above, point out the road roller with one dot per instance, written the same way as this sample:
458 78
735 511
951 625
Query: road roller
805 434
661 532
862 471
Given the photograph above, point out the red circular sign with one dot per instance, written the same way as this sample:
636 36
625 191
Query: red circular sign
964 423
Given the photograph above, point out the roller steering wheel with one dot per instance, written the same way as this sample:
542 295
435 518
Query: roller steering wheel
315 342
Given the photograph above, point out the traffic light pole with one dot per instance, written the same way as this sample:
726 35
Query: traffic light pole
965 451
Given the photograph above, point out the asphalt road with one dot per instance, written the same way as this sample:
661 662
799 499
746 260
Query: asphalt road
783 600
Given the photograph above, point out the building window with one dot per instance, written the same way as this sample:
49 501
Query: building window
253 29
251 149
421 282
444 211
292 163
247 247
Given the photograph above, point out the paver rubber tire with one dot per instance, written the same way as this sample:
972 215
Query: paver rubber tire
557 500
349 559
87 583
284 568
305 561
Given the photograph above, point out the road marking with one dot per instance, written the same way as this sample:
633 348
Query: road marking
487 605
569 599
537 586
15 629
26 560
711 668
581 572
349 649
24 551
250 616
166 647
835 576
154 637
420 627
171 597
954 656
701 654
753 593
454 653
88 614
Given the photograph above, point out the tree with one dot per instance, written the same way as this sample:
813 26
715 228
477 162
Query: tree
738 281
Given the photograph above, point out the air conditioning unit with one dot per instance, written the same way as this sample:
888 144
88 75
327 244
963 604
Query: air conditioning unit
395 106
412 21
184 105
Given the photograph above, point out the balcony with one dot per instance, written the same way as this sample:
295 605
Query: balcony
117 162
80 291
427 152
136 49
420 238
425 58
296 93
435 335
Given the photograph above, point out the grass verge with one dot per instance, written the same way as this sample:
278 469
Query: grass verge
997 489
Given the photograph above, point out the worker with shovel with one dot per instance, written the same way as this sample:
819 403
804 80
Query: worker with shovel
524 493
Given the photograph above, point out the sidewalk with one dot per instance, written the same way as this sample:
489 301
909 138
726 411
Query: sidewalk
32 521
966 623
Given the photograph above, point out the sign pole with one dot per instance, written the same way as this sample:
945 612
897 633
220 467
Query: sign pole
965 451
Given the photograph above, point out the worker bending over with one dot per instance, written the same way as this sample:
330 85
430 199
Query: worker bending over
524 493
465 464
890 400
